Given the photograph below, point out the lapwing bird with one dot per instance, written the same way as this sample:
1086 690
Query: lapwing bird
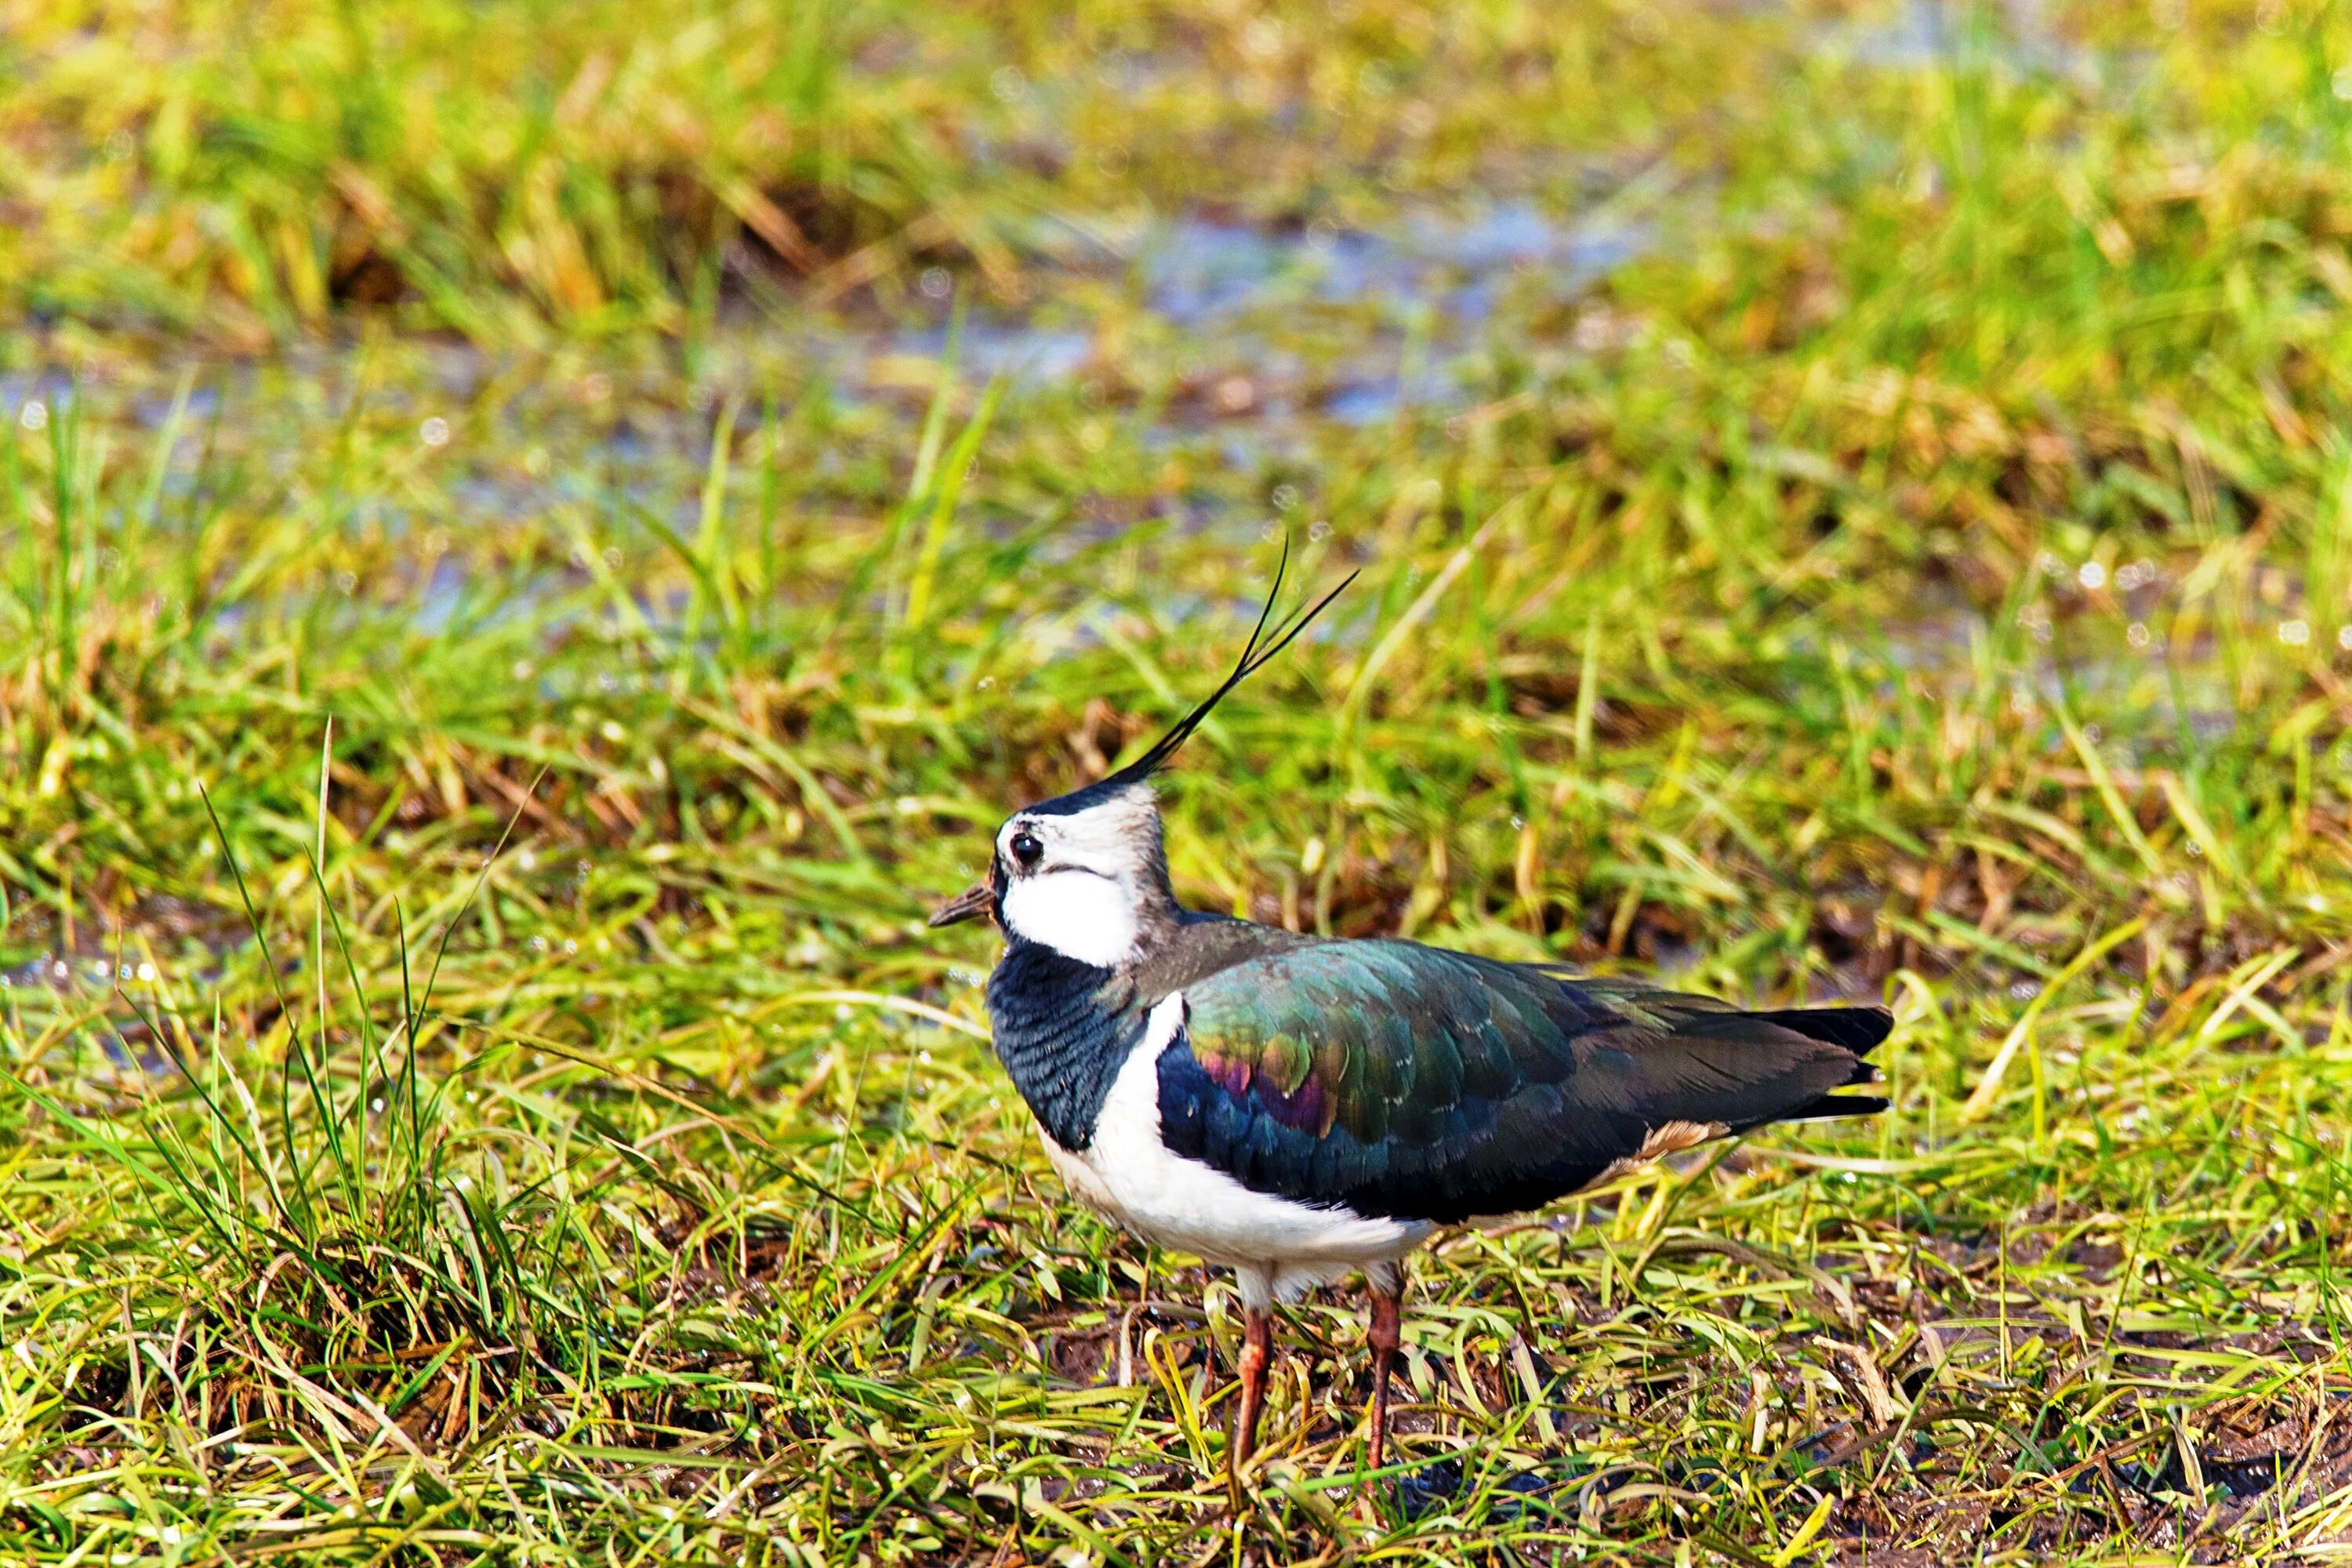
1299 1109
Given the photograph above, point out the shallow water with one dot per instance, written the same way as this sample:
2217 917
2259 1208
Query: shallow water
1275 333
1379 313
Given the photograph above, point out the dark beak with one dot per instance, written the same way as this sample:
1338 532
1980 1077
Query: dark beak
979 898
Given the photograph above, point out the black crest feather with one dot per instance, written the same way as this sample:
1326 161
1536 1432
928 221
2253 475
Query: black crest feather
1262 647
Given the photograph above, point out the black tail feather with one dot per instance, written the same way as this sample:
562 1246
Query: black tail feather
1829 1105
1858 1029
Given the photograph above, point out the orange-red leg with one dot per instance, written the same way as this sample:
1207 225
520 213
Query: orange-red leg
1257 1358
1384 1338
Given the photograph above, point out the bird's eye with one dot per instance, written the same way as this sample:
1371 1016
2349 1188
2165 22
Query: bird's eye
1026 849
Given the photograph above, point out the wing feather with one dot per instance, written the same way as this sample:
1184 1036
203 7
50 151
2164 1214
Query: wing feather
1409 1080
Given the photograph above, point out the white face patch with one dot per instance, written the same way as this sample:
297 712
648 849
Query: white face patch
1075 913
1086 894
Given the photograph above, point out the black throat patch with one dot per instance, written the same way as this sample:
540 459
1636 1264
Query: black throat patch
1063 1030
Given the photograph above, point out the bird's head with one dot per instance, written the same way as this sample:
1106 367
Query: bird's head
1085 873
1082 874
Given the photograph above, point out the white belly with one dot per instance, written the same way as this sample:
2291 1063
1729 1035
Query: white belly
1280 1247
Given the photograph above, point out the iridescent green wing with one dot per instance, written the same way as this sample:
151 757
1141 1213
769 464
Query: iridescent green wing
1403 1079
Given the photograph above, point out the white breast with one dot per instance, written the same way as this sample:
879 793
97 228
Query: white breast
1279 1247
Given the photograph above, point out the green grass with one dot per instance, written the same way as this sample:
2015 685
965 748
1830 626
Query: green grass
243 171
502 1104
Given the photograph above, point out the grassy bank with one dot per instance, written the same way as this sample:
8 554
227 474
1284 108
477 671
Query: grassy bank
477 1086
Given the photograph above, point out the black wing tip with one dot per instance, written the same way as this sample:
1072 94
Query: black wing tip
1861 1030
1825 1107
